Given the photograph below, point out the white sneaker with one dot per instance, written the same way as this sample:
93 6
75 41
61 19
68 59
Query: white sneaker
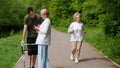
76 60
72 57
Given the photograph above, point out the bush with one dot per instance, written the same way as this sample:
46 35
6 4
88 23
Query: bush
12 15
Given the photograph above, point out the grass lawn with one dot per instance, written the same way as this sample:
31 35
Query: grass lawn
108 45
10 51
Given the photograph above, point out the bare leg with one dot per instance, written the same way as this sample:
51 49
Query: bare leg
29 60
74 47
34 60
73 50
78 50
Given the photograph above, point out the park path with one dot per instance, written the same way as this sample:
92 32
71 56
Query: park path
59 54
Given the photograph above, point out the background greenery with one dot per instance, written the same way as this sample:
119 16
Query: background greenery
100 17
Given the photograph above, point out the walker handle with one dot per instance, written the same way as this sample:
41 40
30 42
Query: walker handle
22 48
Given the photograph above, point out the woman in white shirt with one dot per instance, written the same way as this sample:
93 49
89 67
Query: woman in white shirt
43 40
76 30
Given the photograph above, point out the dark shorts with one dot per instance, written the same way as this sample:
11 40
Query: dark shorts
32 49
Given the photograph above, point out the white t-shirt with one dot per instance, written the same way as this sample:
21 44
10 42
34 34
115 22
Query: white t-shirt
44 34
77 35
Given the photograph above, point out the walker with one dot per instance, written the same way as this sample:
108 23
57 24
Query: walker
23 54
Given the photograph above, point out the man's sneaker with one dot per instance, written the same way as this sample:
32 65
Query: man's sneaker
76 60
72 57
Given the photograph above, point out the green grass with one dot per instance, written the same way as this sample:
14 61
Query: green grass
61 29
108 45
10 51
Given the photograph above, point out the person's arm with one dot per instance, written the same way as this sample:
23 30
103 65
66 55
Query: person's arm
70 29
44 28
83 29
24 33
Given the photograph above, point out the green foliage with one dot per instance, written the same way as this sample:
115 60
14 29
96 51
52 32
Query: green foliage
10 51
63 27
93 13
12 32
106 44
111 18
108 24
90 12
76 5
11 14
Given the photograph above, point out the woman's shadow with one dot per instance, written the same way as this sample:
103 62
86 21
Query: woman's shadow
104 59
89 59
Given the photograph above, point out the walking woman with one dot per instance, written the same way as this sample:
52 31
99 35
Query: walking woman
43 40
76 30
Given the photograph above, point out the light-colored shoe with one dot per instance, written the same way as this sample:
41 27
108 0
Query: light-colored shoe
72 57
76 60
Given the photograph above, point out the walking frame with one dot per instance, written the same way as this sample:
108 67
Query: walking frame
23 54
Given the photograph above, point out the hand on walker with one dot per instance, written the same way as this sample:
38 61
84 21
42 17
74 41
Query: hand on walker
22 42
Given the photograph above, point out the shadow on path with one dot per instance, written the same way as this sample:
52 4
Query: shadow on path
90 59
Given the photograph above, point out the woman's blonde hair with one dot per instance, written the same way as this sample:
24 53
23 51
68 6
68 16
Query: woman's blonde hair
44 11
75 15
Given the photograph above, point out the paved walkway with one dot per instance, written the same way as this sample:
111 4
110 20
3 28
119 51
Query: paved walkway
59 55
